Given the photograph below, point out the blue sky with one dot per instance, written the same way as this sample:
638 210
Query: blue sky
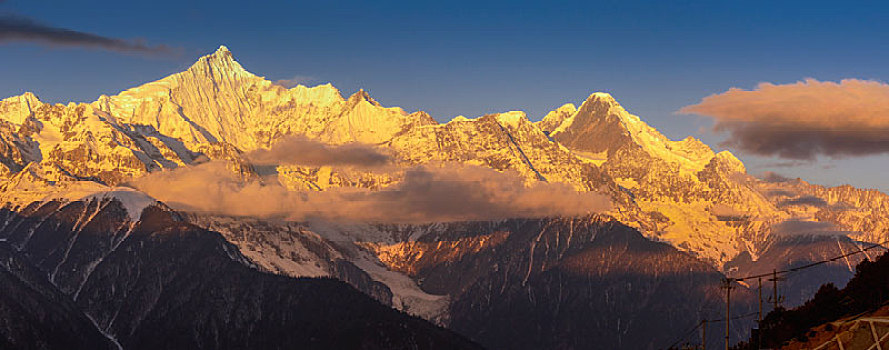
476 57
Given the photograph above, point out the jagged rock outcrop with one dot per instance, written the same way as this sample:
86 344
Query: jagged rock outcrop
863 214
217 100
679 182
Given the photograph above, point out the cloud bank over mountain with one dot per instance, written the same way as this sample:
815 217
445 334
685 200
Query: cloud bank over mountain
295 80
303 151
428 193
803 120
797 227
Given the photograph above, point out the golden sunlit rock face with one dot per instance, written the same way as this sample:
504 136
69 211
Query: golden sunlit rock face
375 175
676 191
563 223
411 257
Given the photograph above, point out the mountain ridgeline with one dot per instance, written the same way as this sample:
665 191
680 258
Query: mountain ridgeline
84 275
117 269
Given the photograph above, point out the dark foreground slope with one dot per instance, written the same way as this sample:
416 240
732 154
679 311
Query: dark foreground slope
35 315
164 284
582 283
866 293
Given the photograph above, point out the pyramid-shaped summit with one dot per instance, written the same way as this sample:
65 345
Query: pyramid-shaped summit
600 125
217 100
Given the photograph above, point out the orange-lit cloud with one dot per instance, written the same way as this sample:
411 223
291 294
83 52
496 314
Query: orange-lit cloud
425 194
303 151
725 212
294 81
804 119
803 201
798 227
771 176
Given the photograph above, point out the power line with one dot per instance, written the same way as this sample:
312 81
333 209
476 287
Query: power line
685 335
734 318
799 268
774 274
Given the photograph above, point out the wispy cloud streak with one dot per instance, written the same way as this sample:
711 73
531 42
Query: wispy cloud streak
23 29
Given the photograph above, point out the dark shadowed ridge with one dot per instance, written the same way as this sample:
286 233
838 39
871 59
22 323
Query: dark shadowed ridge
161 283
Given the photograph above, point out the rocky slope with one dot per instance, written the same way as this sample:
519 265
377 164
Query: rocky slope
35 315
705 203
512 284
159 282
786 253
684 184
562 283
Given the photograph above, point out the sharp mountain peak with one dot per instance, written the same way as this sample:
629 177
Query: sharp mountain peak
220 97
223 49
362 95
26 98
220 64
17 108
600 96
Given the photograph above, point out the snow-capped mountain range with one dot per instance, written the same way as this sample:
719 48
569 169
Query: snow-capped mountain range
676 191
681 193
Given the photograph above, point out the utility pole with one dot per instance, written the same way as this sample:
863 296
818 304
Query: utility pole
728 296
775 279
759 314
704 334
